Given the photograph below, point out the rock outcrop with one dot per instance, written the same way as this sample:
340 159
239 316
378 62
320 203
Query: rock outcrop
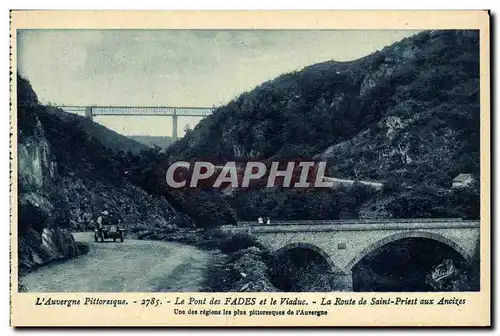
43 232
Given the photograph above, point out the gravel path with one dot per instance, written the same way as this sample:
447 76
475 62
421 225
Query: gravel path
131 266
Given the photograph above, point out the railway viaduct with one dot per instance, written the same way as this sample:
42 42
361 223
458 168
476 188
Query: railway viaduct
174 112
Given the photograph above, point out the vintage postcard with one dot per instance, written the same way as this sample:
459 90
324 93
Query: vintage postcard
250 168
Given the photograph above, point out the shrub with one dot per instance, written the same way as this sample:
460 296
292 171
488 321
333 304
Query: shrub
238 241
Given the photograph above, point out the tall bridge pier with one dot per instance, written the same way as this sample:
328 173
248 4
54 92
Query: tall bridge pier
174 125
88 113
175 112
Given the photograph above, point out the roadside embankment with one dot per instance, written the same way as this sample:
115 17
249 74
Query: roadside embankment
243 265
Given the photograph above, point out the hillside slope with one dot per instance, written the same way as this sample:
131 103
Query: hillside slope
407 115
100 133
161 141
67 177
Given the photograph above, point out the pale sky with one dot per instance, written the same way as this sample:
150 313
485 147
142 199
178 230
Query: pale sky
175 67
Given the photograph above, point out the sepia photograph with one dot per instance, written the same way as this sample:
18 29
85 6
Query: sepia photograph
248 161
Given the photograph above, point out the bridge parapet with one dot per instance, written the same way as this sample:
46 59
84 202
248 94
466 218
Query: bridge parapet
142 110
362 227
350 221
351 225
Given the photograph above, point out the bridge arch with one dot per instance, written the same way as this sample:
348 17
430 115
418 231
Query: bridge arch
308 246
408 234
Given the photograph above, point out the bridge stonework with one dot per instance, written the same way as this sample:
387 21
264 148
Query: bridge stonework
343 245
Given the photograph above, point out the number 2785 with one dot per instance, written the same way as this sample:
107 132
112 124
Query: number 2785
152 302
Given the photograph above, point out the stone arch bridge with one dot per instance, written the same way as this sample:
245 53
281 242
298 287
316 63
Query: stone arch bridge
344 243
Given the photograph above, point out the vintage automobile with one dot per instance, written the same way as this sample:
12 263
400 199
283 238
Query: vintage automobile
109 231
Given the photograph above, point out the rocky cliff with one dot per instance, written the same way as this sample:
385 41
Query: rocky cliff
67 176
43 230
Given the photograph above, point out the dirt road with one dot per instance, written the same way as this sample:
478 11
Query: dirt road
131 266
